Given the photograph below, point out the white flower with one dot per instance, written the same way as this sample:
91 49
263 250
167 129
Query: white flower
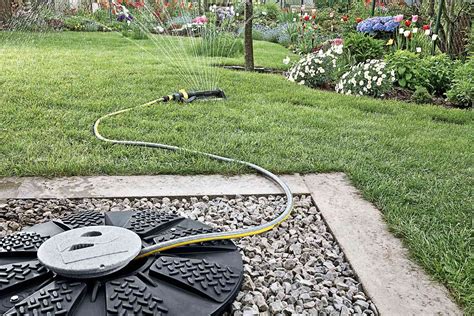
418 49
434 37
427 32
287 60
361 83
301 82
401 30
406 33
415 30
348 92
264 13
294 19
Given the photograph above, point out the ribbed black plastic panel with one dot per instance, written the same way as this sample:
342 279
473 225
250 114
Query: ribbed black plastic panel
23 242
193 280
83 219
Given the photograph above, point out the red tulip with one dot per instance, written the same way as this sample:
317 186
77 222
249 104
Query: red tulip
426 27
358 20
345 18
407 23
306 17
314 17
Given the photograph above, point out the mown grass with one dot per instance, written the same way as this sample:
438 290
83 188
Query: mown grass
413 162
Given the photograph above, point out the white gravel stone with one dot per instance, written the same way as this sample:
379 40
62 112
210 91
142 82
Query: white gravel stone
295 269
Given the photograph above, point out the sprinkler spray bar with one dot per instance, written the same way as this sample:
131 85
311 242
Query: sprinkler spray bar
184 96
188 97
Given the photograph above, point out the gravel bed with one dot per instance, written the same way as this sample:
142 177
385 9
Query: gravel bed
295 269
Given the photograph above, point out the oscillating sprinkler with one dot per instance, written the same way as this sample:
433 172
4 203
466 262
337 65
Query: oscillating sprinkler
190 96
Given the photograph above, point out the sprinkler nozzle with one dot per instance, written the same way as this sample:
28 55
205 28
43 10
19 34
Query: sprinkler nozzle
188 97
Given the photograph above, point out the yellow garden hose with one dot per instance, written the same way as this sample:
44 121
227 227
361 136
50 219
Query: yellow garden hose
185 96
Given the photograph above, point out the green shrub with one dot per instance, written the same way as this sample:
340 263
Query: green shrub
359 47
272 10
408 69
82 24
439 72
462 88
421 95
215 44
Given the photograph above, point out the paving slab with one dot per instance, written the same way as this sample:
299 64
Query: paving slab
396 285
144 186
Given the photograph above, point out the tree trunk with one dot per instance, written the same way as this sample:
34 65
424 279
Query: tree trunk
431 8
5 11
248 42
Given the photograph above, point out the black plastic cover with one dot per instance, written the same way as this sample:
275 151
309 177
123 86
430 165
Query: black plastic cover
199 279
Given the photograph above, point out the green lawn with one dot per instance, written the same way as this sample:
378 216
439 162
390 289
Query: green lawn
413 162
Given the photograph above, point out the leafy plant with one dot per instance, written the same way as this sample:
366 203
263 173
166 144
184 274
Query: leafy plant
408 69
371 78
439 71
359 47
462 88
215 44
421 95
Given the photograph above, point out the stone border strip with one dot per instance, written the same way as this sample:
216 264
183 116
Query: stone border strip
395 284
144 186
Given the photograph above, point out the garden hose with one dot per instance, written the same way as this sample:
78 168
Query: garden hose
184 96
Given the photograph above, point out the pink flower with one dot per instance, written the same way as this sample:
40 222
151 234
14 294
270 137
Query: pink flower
200 20
337 41
414 18
398 18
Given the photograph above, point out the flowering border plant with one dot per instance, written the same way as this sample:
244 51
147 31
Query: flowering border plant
370 78
378 24
316 69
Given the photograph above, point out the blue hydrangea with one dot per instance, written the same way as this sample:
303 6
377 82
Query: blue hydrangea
378 24
378 27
